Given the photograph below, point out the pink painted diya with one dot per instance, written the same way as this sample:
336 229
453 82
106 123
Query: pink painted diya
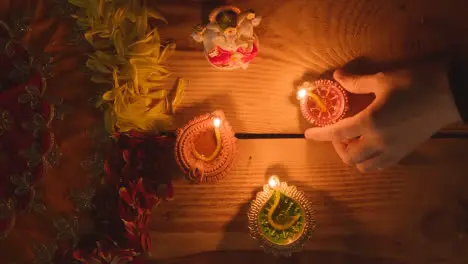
205 148
322 102
229 39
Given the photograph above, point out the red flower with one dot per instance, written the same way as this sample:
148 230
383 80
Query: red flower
140 170
126 155
137 232
106 252
136 197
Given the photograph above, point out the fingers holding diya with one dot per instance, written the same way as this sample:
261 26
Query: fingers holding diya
322 102
281 218
206 147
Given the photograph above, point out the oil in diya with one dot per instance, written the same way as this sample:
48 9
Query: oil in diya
322 102
206 147
281 218
229 39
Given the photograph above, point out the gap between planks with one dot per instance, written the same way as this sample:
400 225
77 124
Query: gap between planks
415 209
460 134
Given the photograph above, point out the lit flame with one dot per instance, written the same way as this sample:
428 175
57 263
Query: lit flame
217 122
273 181
301 94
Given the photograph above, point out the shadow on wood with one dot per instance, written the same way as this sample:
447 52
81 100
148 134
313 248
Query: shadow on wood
279 170
207 7
221 101
334 209
236 257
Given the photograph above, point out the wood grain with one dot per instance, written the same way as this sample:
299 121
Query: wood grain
415 212
234 257
303 39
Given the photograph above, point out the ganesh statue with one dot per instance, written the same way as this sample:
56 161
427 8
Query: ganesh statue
229 39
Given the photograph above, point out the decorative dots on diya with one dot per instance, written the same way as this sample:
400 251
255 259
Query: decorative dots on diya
206 147
322 102
229 39
281 219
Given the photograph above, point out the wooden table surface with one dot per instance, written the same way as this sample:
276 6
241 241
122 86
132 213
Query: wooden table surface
302 39
415 212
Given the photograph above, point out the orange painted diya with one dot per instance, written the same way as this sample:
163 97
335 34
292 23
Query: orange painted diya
206 147
322 102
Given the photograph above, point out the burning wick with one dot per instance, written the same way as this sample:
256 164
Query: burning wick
273 182
217 122
217 125
303 93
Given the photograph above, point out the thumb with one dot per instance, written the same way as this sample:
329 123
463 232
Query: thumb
342 130
357 84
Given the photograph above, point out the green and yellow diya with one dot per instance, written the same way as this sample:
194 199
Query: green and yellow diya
281 218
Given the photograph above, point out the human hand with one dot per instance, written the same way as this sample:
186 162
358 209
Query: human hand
410 105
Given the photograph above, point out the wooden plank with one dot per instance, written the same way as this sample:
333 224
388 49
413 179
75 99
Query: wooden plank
235 257
303 38
414 212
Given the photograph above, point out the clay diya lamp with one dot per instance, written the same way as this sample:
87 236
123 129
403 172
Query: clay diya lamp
229 39
322 102
205 148
281 218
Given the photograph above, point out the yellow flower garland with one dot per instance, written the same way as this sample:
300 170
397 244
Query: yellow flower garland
128 54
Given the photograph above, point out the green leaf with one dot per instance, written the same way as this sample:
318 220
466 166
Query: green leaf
167 52
156 15
79 3
118 42
99 102
179 91
89 37
108 96
101 7
102 43
109 120
141 23
95 65
130 16
149 37
119 16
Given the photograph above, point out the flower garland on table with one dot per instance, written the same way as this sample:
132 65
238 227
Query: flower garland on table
27 111
128 55
134 182
128 58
